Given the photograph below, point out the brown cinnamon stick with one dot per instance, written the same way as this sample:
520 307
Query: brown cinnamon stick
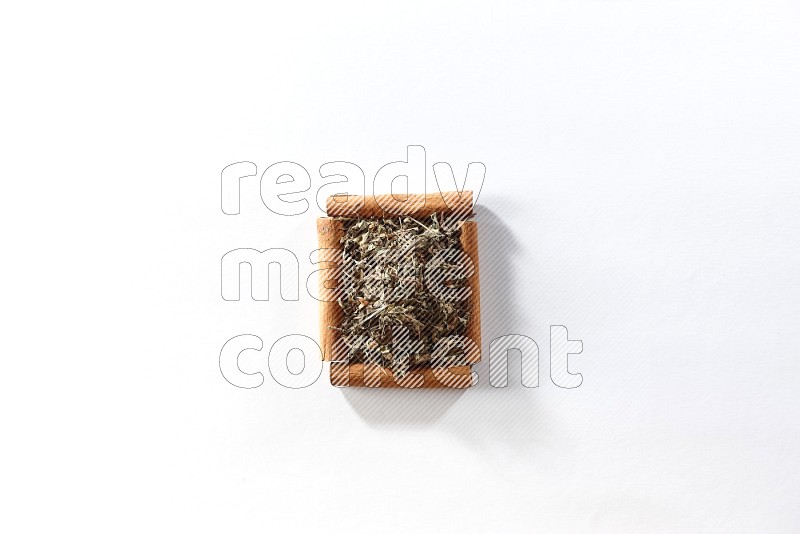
329 232
469 244
419 206
360 375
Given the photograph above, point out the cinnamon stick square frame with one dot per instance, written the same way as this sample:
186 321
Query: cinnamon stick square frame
330 231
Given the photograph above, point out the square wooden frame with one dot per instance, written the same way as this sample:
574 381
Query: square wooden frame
330 231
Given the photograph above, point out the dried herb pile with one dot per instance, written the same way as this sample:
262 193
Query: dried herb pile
391 317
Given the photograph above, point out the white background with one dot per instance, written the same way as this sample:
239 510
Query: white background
641 189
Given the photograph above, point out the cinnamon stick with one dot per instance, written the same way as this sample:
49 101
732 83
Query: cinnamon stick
419 206
360 375
329 232
469 244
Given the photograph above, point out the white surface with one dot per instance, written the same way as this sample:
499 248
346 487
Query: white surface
642 189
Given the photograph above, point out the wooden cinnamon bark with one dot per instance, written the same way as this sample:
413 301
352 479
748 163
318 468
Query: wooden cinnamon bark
330 231
360 375
469 243
419 206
